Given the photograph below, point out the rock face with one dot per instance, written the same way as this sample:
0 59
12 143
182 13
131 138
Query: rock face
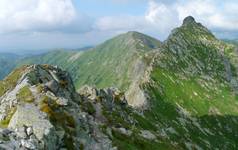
42 111
188 21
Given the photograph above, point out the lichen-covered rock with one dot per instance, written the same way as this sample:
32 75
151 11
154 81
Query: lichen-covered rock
43 111
30 116
148 135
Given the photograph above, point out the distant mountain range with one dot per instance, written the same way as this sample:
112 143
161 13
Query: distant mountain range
7 63
181 93
234 42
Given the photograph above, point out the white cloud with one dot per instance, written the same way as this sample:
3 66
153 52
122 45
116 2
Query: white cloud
119 23
211 13
59 23
162 17
157 20
35 15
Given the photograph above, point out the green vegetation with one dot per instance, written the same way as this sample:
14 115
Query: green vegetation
4 123
192 100
25 95
136 142
61 118
195 94
11 80
110 64
88 107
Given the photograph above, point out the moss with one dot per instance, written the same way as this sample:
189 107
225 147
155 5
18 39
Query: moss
25 95
118 98
63 83
46 105
46 66
61 118
81 147
40 88
4 123
98 99
88 107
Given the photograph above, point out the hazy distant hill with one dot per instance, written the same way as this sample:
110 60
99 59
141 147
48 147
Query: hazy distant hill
7 63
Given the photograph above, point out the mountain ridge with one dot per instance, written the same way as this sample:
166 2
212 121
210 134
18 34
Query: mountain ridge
114 63
187 85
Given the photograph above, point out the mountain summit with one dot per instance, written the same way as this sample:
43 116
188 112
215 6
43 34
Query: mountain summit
189 20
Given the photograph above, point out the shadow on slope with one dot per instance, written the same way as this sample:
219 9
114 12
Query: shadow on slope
188 131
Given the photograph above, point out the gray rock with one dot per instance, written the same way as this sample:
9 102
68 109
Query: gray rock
54 97
21 132
147 135
30 115
125 131
89 92
28 144
52 86
62 101
29 131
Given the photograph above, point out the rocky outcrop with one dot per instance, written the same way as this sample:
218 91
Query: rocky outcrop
43 111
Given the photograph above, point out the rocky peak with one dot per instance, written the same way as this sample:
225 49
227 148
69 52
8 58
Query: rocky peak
192 43
189 20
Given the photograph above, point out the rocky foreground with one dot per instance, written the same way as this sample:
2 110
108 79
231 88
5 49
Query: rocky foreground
42 110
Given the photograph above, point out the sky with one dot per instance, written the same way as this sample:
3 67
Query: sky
36 25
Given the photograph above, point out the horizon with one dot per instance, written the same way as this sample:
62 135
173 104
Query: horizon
70 24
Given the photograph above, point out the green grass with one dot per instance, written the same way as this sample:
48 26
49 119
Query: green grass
25 95
135 142
110 64
11 80
4 123
193 96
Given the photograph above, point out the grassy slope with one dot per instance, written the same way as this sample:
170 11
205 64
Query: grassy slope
11 80
109 64
192 102
195 71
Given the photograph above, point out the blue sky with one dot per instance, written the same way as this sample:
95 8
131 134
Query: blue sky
99 8
39 24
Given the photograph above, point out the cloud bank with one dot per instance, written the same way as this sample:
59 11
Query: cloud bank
38 16
161 17
60 23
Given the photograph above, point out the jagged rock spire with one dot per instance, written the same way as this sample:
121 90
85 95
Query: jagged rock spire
189 20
